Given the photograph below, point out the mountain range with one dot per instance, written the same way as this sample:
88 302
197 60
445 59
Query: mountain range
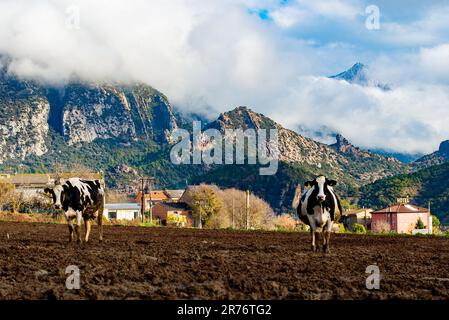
124 131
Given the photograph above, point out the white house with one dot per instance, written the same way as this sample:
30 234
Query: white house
121 211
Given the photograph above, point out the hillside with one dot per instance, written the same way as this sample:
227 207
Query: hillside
429 184
438 157
300 158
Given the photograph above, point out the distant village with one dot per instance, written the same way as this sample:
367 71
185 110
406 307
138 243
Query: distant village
177 207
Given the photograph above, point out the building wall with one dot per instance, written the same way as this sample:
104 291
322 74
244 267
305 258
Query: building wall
160 212
407 222
122 214
380 222
398 222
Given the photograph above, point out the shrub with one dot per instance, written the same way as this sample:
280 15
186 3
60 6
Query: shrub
420 224
436 225
341 227
284 223
358 228
383 227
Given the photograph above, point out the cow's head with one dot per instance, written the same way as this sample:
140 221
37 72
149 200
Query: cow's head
320 184
57 194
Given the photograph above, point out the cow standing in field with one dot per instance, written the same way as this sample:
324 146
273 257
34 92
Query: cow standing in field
319 208
80 199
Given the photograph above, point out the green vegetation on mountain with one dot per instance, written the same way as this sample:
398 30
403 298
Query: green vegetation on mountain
430 184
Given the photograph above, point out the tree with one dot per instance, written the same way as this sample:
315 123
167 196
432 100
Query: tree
205 203
420 224
284 222
6 193
260 214
346 204
436 225
358 228
227 208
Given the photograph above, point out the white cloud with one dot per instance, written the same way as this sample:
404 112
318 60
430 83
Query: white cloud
287 17
407 119
307 12
205 54
435 60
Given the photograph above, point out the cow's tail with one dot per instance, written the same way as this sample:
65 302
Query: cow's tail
297 197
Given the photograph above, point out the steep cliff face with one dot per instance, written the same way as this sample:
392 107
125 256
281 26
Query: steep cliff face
80 113
25 133
109 112
23 119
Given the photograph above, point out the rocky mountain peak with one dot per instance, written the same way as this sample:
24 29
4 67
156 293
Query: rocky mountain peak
444 148
341 141
344 146
242 118
359 74
355 74
438 157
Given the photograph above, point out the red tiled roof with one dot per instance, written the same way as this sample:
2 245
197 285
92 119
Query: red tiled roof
156 195
402 208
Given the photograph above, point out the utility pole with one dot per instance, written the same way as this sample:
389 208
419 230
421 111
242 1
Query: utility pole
144 180
142 206
247 210
199 204
364 219
233 224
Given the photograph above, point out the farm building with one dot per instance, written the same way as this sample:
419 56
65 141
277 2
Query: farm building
400 218
27 184
31 184
173 213
156 196
121 211
360 216
174 194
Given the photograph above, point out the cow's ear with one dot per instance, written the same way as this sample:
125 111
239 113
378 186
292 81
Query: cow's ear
331 182
308 184
47 191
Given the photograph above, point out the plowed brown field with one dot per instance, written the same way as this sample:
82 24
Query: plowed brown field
165 263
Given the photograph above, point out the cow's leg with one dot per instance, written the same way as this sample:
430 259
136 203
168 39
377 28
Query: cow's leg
313 231
87 227
100 225
324 233
78 226
70 231
327 236
68 215
100 219
317 239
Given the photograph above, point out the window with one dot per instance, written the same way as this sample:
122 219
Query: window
113 215
136 214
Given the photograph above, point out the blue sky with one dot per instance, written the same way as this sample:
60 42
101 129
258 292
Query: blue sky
344 25
273 56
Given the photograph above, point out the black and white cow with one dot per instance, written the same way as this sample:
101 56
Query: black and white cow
80 199
319 208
